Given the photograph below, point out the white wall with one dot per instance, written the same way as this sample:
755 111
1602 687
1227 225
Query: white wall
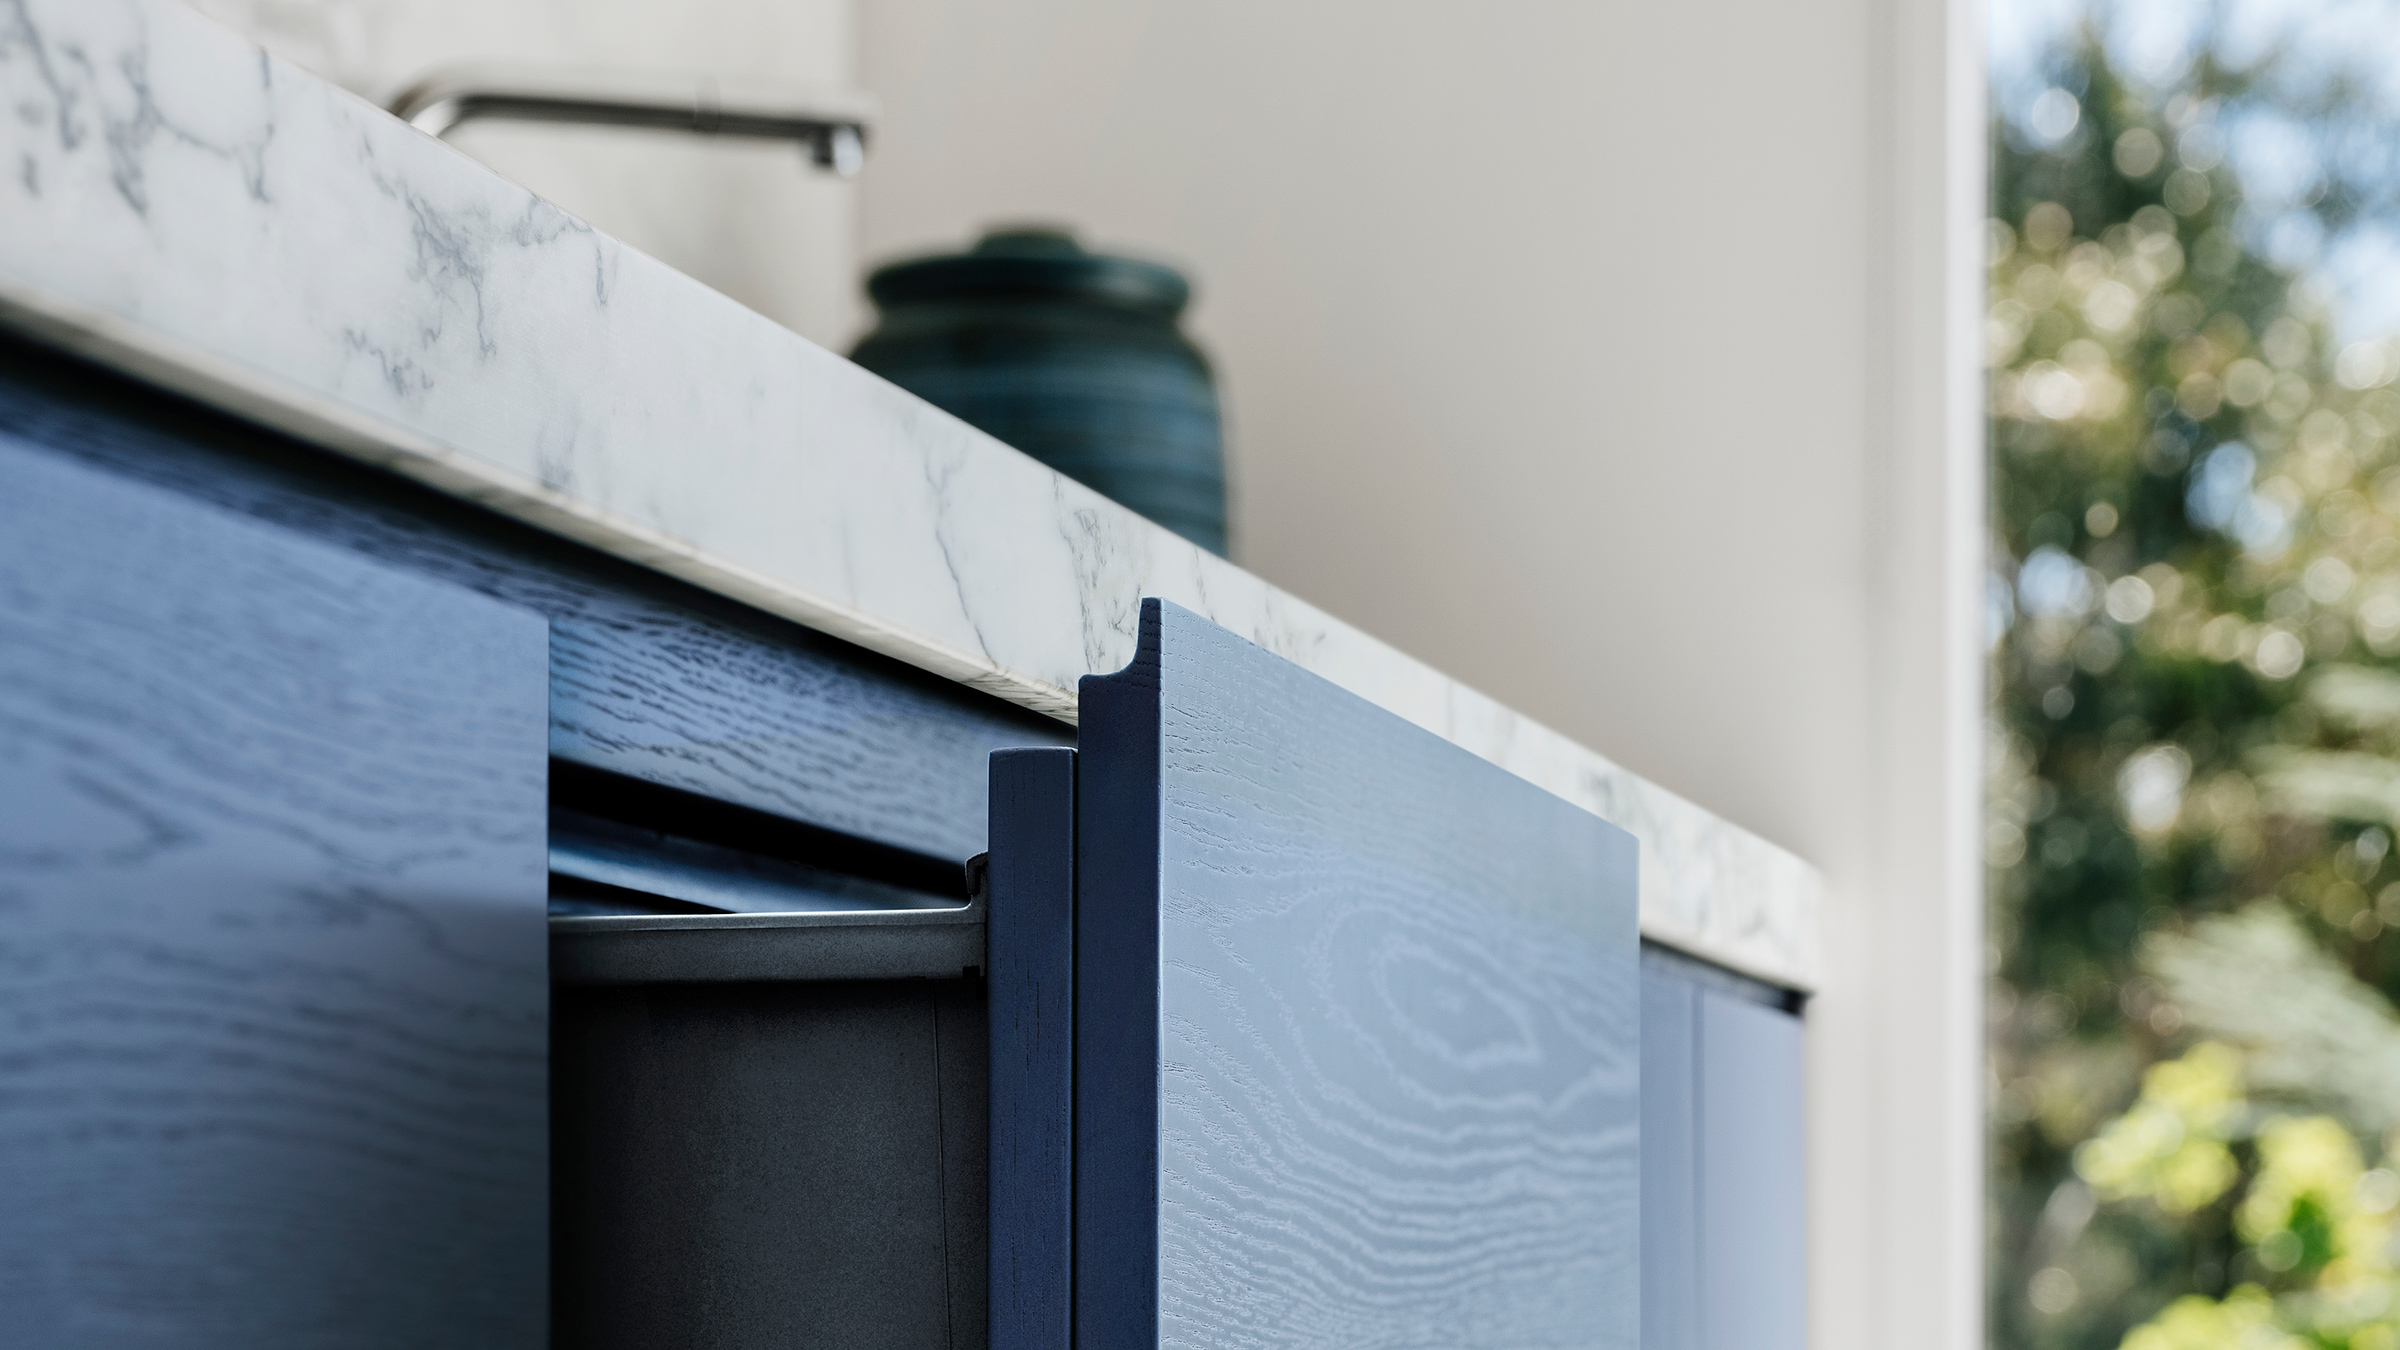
1607 357
754 220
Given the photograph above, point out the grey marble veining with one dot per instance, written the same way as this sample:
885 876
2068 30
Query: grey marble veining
178 204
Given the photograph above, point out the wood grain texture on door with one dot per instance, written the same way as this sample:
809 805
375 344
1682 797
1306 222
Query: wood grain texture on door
1357 1024
650 678
273 986
1030 950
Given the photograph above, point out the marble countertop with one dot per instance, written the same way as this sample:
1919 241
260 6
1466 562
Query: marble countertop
182 206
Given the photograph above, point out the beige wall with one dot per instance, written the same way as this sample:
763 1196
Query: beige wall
1544 327
1603 356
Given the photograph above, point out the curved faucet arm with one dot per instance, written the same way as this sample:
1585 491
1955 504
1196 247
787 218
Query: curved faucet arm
834 129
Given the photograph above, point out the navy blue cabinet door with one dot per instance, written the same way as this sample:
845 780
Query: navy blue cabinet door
1356 1024
1670 1162
1752 1265
1030 953
1723 1256
273 984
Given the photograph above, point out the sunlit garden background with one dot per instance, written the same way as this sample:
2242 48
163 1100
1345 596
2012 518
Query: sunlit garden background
2195 615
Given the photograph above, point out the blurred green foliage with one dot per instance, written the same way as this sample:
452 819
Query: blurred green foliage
2195 745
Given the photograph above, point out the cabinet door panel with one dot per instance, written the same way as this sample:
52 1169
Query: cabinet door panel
1753 1258
273 984
1357 1024
1670 1162
1030 952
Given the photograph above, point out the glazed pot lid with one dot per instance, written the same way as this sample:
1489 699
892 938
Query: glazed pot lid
1032 263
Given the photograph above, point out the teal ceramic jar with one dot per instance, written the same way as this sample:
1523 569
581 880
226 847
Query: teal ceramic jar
1072 357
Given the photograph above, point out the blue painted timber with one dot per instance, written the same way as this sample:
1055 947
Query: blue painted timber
1030 962
1753 1258
273 986
1357 1025
1723 1264
1670 1161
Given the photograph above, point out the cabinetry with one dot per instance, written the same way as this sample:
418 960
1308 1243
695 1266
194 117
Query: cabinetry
292 746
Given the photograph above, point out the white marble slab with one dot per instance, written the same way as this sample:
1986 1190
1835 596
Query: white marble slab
176 203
